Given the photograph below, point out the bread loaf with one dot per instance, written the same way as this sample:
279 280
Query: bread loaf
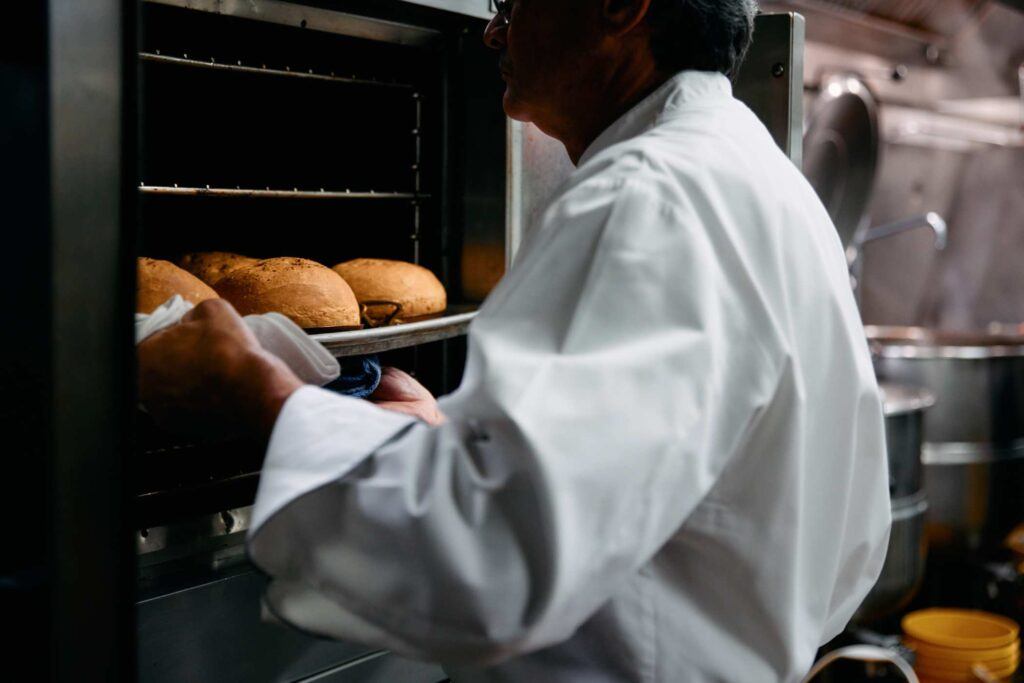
310 294
211 266
413 288
159 280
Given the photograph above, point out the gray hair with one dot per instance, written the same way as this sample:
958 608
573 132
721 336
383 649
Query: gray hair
701 35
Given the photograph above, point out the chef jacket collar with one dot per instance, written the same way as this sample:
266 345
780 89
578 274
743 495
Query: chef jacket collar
685 89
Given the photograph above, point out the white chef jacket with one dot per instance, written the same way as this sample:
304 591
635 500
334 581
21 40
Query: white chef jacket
665 461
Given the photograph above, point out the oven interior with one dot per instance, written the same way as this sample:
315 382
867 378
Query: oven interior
278 139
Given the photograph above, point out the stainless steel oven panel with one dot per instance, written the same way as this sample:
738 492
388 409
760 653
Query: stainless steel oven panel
213 632
381 667
537 167
473 8
91 147
771 80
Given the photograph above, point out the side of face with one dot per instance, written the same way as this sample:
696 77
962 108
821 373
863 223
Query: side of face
546 55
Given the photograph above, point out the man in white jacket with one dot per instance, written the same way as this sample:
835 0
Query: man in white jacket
666 459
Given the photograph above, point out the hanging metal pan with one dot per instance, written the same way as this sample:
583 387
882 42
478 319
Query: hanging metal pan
841 151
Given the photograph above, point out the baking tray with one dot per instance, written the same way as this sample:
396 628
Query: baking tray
453 323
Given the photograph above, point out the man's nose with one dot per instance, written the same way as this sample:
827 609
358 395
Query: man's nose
494 34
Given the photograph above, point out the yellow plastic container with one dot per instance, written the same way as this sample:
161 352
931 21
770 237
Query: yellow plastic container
966 677
961 629
963 668
930 651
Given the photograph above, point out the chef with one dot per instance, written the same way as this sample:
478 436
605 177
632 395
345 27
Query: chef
666 459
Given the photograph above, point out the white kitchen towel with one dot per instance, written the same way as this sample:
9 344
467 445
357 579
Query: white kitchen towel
310 361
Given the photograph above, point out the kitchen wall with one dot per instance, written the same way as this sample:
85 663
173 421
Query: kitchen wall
953 143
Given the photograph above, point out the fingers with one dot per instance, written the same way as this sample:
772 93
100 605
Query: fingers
396 385
421 410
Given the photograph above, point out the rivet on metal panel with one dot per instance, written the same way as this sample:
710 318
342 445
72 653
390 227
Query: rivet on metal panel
778 70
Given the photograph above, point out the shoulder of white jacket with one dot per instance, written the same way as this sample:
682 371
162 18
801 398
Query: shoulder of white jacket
632 165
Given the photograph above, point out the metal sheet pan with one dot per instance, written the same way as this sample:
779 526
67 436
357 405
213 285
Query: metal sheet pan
455 322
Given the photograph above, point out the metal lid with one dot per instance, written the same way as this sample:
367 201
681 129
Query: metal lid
900 399
841 151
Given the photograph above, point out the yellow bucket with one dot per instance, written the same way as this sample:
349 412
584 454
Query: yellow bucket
1008 664
960 629
950 667
964 677
927 650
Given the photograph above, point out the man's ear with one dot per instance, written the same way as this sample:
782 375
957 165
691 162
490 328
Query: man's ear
622 16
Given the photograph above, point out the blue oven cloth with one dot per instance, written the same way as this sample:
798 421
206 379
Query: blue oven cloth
359 377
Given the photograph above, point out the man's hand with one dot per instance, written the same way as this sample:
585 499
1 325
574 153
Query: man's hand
400 392
209 375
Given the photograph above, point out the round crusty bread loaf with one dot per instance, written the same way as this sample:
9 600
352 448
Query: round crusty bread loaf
159 280
312 295
211 266
414 287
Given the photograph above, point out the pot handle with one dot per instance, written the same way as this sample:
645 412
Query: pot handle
863 653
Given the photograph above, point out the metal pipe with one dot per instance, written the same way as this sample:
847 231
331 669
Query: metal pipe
926 220
854 252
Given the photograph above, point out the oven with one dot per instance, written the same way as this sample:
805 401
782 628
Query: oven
328 130
273 129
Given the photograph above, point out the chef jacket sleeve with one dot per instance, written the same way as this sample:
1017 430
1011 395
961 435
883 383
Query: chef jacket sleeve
610 377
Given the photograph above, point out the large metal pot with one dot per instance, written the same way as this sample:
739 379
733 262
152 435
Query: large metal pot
904 565
905 558
904 408
974 436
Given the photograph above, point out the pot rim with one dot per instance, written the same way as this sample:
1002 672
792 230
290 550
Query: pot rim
890 341
901 399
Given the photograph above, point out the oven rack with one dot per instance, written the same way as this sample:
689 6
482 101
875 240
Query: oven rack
270 193
454 323
239 67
